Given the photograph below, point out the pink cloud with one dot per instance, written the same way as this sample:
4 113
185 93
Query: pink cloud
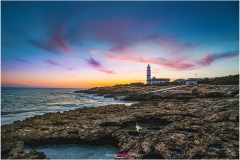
173 44
51 62
113 30
43 46
122 33
93 63
97 65
54 63
209 58
181 65
94 51
121 48
107 71
119 32
170 44
185 63
55 42
23 60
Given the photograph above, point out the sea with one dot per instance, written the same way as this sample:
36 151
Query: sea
18 104
21 103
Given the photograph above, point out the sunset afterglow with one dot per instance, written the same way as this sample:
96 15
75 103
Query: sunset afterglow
87 44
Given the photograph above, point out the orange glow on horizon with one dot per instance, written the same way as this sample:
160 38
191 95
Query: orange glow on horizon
61 83
87 79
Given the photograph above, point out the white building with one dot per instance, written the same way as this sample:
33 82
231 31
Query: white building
155 80
160 80
191 81
180 81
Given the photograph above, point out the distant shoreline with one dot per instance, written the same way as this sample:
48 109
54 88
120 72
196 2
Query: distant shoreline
224 80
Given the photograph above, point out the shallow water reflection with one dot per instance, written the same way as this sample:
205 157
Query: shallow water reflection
74 151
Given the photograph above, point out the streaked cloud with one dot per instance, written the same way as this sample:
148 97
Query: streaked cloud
23 60
54 63
93 63
51 62
97 65
209 58
107 71
94 51
185 63
55 42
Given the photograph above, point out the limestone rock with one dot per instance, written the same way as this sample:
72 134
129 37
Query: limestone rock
174 125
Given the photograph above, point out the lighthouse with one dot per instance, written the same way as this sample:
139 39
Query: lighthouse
148 74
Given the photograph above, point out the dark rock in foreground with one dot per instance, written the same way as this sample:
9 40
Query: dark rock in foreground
189 128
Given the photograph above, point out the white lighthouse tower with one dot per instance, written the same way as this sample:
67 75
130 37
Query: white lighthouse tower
148 74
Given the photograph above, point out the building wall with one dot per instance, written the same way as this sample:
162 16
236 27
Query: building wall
191 82
158 82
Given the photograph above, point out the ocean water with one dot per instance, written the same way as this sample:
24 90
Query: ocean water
21 103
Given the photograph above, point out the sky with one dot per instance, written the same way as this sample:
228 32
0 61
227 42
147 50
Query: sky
87 44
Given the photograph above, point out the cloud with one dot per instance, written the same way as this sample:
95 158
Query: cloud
172 43
185 63
208 59
121 47
123 35
119 32
165 44
55 42
94 51
54 63
136 59
107 71
43 46
93 63
51 62
97 65
23 60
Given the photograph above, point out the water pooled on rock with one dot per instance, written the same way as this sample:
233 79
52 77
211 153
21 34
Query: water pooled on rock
74 151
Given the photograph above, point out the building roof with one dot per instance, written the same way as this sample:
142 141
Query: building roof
193 79
160 79
179 79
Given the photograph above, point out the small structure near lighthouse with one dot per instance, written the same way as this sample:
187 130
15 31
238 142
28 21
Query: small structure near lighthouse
155 80
160 80
191 81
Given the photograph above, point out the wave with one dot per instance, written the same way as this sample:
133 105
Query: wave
18 111
20 104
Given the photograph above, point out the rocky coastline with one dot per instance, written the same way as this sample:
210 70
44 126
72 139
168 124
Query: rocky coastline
186 123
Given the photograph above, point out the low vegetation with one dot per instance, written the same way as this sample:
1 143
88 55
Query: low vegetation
226 80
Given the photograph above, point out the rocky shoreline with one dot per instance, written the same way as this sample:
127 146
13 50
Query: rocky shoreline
188 122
